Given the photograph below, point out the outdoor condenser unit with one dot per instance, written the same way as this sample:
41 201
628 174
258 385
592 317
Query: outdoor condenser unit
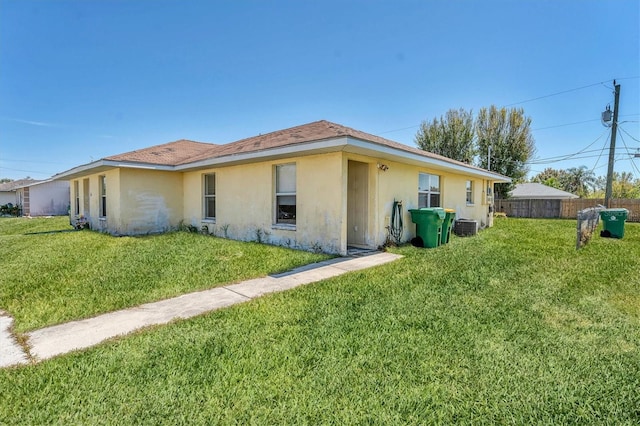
465 227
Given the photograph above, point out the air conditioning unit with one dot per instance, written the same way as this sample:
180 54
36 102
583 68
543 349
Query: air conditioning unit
465 227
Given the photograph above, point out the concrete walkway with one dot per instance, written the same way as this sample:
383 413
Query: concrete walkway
60 339
11 352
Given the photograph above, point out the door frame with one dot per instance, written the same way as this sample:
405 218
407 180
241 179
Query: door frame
358 203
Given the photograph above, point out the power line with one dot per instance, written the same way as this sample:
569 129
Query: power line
542 97
568 156
582 157
557 93
567 124
585 121
629 134
569 90
398 130
633 164
40 172
32 161
604 147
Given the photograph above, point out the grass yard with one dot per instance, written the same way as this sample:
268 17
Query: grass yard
513 326
52 277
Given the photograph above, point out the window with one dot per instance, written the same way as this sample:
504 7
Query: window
76 190
210 196
286 193
428 190
469 192
103 196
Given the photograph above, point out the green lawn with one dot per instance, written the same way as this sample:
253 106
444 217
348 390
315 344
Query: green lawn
512 326
51 277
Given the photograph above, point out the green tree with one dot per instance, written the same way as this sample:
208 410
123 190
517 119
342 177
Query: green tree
623 185
579 181
550 177
507 134
450 136
5 180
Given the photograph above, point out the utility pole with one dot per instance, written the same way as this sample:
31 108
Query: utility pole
489 158
612 147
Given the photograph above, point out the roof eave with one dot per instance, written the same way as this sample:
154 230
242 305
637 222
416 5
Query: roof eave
390 153
103 165
39 182
347 144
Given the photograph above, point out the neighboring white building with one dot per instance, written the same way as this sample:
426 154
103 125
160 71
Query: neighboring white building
43 198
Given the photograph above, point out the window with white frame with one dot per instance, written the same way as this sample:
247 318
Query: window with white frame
469 192
428 190
210 196
103 195
285 193
76 190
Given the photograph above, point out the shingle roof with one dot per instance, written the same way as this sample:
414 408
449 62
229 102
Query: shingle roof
11 186
168 154
185 151
539 191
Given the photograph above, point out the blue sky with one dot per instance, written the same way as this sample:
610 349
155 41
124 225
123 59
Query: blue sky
81 80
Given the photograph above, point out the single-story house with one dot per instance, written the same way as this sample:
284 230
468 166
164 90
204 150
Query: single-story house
318 186
538 191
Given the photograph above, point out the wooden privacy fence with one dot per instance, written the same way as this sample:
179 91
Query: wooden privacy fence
565 209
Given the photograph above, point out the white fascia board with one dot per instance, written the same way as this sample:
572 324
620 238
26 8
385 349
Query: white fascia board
102 165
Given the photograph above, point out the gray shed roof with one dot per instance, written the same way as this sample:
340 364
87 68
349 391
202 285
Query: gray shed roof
538 191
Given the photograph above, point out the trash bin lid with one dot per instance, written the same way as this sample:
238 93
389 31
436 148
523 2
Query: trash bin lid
614 212
431 211
438 211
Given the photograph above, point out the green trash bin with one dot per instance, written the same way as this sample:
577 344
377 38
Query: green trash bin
447 225
613 222
428 225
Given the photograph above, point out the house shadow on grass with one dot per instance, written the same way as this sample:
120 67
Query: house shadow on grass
60 231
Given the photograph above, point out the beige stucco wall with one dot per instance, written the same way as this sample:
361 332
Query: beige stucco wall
400 182
245 203
138 201
112 219
150 201
245 200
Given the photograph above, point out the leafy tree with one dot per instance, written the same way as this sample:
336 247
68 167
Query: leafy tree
450 136
5 180
623 185
578 180
550 177
508 133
